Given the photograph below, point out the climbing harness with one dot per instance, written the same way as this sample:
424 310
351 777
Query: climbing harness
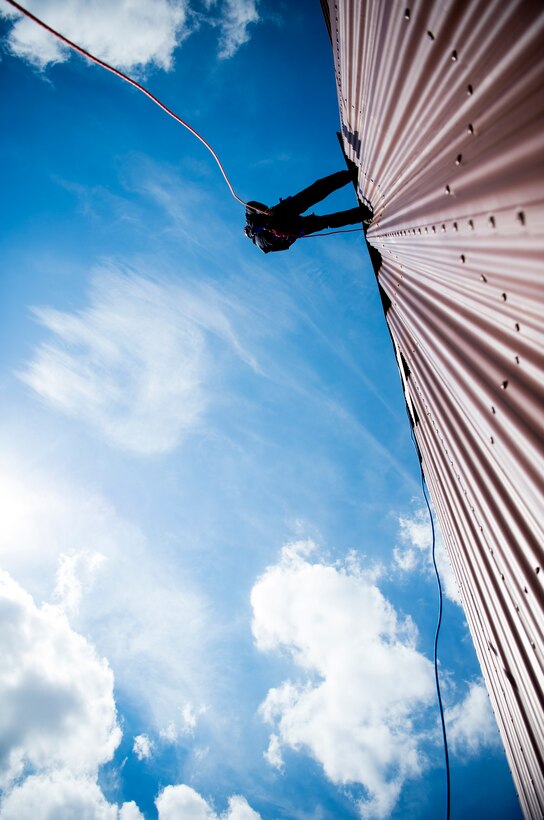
154 99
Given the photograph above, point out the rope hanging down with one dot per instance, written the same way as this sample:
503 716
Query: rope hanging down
438 625
152 97
437 682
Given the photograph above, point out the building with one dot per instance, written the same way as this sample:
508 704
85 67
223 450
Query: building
442 109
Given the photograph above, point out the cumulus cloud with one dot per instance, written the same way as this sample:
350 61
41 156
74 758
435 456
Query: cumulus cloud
155 620
471 724
414 552
237 17
176 802
62 796
58 721
57 699
142 747
129 34
363 685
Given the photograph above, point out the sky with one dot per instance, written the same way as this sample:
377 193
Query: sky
216 591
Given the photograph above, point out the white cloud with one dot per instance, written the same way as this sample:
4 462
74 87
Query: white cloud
185 723
184 803
131 364
471 724
58 721
130 811
236 18
56 695
169 734
129 34
134 364
273 755
50 536
363 685
416 530
142 747
415 552
62 796
75 573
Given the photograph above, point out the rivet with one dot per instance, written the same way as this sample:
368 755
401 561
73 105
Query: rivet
443 228
492 221
455 226
483 278
407 14
459 158
493 410
434 229
430 35
517 326
516 359
521 217
537 570
448 189
463 258
470 225
504 384
470 128
470 90
503 296
454 56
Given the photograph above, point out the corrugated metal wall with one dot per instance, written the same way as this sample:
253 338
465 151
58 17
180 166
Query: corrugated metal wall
442 108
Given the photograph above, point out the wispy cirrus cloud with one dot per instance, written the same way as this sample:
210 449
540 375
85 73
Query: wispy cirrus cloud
134 363
236 19
348 644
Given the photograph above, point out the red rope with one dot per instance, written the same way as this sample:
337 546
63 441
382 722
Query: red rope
137 85
154 99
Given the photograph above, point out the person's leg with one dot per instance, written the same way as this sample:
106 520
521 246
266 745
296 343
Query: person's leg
315 222
319 190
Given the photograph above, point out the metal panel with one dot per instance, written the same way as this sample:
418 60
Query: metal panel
442 109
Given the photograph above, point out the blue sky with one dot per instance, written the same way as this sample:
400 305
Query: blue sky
216 588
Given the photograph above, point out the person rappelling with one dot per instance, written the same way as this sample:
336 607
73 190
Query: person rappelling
272 229
277 228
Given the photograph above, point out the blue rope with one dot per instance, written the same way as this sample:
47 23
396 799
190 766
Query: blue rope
446 754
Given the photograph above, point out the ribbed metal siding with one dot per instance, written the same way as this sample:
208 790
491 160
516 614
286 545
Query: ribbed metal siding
442 108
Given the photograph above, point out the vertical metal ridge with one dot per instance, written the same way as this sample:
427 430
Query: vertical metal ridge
442 109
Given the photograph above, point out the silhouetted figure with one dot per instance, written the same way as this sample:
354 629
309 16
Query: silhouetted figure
284 223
